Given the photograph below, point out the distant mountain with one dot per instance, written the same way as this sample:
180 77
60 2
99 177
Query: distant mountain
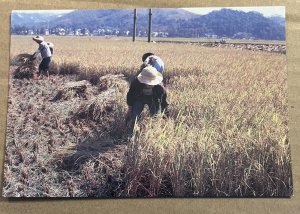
176 22
32 19
94 19
120 18
234 24
278 19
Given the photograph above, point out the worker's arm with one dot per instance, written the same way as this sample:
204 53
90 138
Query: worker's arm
131 93
35 54
163 101
131 99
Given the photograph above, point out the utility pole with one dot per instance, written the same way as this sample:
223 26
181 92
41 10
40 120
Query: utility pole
134 26
150 25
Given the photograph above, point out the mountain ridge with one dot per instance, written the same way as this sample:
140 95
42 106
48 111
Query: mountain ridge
226 23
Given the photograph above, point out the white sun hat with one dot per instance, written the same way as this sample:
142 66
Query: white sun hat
38 38
51 45
150 76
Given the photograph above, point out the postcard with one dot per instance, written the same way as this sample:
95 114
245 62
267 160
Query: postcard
148 102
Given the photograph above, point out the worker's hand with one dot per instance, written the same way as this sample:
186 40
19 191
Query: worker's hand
32 57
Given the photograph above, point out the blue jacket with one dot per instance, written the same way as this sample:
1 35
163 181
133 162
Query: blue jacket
156 62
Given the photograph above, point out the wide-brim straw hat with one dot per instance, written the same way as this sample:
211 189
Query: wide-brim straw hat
150 76
38 38
50 45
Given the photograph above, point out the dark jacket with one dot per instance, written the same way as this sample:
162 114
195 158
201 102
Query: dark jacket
135 93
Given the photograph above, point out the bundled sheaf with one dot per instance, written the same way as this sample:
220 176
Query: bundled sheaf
113 81
26 67
73 89
112 87
102 104
19 59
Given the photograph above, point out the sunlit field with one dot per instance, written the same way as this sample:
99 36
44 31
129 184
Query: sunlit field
227 134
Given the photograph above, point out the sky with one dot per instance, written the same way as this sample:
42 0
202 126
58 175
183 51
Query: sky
42 11
266 10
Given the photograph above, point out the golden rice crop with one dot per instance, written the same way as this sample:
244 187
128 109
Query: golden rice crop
227 134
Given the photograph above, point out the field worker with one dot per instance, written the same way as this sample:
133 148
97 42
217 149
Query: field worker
154 61
45 52
145 89
51 46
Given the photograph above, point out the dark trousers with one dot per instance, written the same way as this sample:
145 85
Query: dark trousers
137 109
44 65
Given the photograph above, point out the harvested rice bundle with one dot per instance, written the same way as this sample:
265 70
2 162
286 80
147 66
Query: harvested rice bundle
73 89
99 106
26 69
19 59
113 81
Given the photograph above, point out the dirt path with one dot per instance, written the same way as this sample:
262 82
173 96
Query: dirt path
271 48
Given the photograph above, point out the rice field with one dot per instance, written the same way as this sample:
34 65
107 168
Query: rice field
227 135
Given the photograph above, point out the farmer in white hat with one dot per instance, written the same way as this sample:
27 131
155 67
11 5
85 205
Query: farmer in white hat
45 52
154 61
145 89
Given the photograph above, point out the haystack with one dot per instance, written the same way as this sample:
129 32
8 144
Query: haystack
73 89
26 67
100 105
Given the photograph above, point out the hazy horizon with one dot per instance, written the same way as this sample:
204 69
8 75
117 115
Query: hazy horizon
266 10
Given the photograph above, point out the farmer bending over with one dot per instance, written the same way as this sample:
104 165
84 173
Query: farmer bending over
154 61
45 52
145 89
